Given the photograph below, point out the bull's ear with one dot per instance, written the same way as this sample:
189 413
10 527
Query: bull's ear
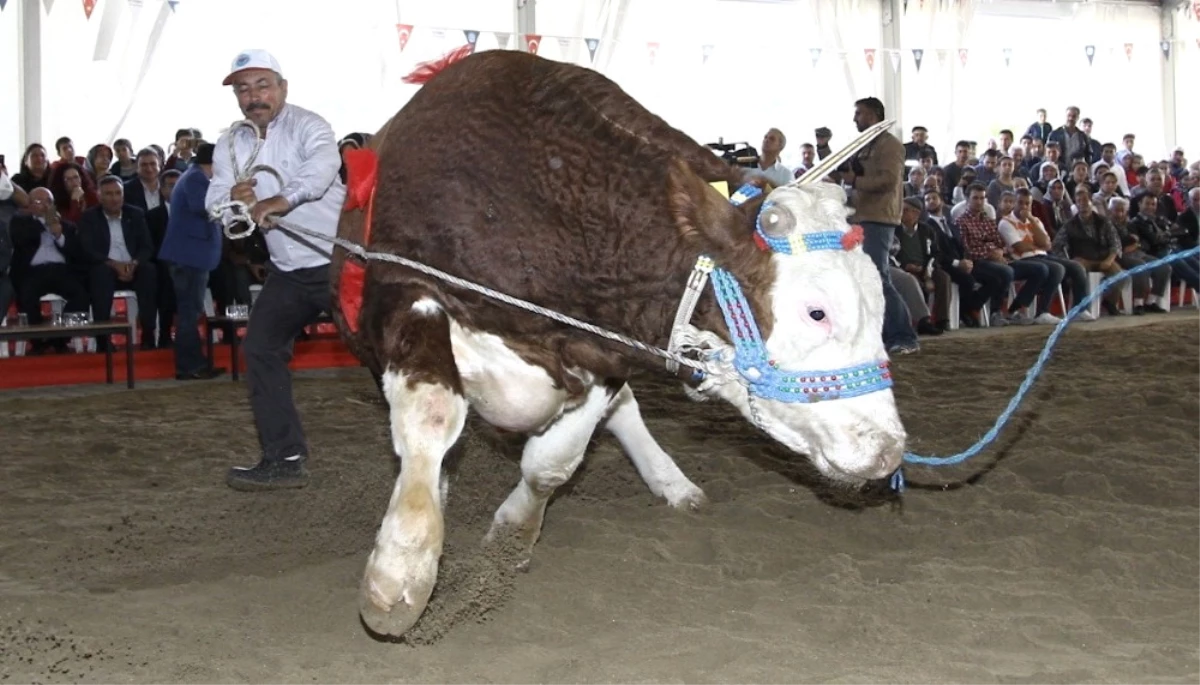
704 216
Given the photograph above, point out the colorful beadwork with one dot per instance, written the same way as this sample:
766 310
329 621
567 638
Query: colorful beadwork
762 375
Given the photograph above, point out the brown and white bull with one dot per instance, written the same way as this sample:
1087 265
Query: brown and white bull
545 181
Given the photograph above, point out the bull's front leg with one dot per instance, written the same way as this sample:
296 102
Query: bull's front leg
656 467
549 460
427 413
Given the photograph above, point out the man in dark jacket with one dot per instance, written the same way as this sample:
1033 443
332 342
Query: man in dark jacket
120 254
191 249
156 221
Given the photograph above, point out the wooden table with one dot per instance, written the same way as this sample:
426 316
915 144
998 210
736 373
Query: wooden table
230 327
98 328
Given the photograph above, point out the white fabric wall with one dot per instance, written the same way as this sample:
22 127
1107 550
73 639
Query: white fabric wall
1185 68
11 145
343 60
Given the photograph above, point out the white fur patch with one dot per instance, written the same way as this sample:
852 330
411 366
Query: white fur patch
426 307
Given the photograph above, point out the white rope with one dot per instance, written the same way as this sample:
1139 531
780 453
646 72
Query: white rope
233 212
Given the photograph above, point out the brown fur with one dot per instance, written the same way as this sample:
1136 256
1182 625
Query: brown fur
547 182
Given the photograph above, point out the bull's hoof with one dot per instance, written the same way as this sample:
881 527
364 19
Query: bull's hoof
389 608
685 496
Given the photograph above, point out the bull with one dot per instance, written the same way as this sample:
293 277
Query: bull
547 182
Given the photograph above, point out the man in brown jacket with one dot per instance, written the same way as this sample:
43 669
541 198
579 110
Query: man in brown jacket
877 175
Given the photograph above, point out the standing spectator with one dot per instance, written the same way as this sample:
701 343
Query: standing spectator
1040 129
1074 142
157 220
919 146
877 176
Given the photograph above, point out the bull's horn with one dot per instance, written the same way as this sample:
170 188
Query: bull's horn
833 161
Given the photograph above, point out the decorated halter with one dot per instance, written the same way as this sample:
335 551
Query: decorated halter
762 375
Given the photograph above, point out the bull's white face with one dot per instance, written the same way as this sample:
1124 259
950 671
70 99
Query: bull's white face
828 314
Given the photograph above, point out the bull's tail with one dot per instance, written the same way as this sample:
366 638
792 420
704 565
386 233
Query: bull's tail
427 70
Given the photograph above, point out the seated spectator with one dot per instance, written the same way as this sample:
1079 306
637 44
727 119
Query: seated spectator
1158 239
1027 238
1034 158
951 265
186 140
1047 172
1188 230
1189 181
1154 186
142 192
7 293
959 193
1079 174
1017 153
120 255
931 183
66 153
156 222
952 173
1002 183
985 173
12 197
1054 156
985 248
916 182
1148 286
73 191
1059 209
99 159
912 265
125 168
1108 190
46 257
35 169
1178 164
1091 240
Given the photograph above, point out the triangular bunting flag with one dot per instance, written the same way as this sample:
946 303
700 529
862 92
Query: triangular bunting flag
3 4
1129 51
404 32
88 6
941 54
564 44
1196 13
173 4
962 56
1166 48
1007 57
438 33
651 51
894 55
815 54
593 44
906 6
918 55
472 37
706 51
48 4
1090 51
870 55
532 42
502 39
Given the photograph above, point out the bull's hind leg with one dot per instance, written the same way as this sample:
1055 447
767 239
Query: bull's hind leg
656 467
428 410
549 460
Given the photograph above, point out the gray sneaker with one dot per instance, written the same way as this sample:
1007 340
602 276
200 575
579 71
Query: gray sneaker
269 475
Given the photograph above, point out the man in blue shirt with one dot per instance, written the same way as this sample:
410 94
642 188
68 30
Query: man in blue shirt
192 247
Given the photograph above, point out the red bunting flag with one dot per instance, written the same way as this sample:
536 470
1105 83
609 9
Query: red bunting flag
532 42
404 32
88 6
1129 51
962 56
652 51
870 55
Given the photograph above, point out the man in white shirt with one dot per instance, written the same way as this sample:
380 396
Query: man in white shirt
769 166
301 146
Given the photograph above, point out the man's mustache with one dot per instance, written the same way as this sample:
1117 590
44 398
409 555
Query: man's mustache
260 105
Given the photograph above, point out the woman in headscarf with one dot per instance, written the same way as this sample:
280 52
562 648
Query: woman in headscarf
1058 204
99 159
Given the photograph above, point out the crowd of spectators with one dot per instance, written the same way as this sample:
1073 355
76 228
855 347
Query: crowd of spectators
84 227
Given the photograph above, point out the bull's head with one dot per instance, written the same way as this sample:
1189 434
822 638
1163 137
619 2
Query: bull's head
819 381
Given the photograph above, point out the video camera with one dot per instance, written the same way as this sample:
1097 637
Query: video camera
740 154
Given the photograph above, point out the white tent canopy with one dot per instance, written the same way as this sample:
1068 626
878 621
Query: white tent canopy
140 69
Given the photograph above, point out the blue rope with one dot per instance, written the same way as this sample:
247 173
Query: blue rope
1036 370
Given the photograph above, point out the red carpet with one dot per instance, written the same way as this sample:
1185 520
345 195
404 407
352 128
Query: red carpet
70 369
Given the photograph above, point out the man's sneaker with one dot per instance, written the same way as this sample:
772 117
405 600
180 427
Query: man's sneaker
905 348
1020 318
997 320
1085 315
269 475
1046 319
1155 308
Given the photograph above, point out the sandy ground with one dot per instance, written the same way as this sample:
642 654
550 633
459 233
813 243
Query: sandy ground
1067 553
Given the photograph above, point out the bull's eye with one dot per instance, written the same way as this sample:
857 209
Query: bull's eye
817 314
776 222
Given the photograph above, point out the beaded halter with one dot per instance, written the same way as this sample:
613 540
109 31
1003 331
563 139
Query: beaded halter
762 375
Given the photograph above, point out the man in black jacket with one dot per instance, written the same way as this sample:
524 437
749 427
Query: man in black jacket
46 258
156 221
952 266
120 255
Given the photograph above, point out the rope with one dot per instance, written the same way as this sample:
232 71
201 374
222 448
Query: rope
1036 370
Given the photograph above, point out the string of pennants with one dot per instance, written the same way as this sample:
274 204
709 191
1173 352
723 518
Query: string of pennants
89 6
533 42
